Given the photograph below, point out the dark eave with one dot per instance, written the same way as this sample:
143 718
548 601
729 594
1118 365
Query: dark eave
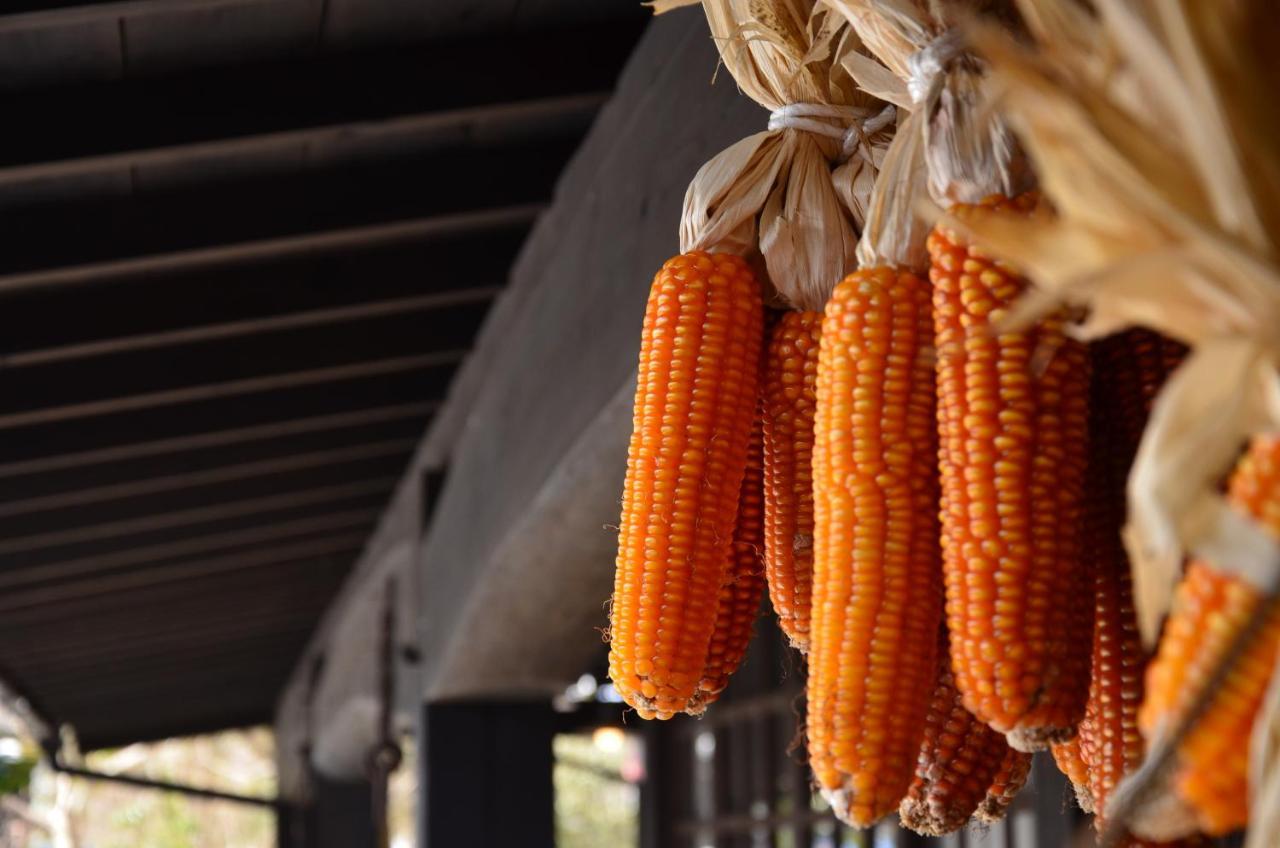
234 293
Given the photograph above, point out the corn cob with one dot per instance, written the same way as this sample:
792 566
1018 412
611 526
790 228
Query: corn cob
790 392
1013 423
956 765
744 583
1072 764
1010 777
696 398
876 598
1209 609
1129 369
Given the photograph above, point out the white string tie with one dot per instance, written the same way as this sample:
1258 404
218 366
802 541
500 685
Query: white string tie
926 65
855 122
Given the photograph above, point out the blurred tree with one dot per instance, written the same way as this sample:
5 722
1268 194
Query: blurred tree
595 804
75 813
16 763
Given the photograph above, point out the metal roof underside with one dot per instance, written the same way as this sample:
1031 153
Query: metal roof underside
247 244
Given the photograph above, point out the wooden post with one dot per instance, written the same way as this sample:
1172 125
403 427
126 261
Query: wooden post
290 826
341 815
665 791
486 775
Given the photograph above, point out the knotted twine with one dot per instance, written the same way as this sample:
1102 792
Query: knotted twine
924 67
798 191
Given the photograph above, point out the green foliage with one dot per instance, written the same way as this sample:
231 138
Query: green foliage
162 820
15 775
99 814
594 805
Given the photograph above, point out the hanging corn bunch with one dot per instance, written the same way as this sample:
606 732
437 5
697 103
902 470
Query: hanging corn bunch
877 582
791 196
1012 407
925 416
1151 126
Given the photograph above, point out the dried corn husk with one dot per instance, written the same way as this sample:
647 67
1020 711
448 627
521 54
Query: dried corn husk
1264 771
924 67
797 191
894 234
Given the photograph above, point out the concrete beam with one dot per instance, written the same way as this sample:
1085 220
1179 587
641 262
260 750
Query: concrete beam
514 570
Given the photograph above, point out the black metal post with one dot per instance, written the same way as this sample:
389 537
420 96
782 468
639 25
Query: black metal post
341 815
486 775
289 828
164 786
665 764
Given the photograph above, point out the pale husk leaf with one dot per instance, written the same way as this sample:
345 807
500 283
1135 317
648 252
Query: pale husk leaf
856 178
877 80
1208 408
894 234
892 30
1264 771
719 202
969 151
791 192
798 215
1158 226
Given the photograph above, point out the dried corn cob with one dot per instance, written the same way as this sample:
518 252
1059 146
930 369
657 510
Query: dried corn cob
1209 609
1211 775
744 583
789 394
695 402
1008 782
956 765
1068 757
876 598
1013 423
1129 369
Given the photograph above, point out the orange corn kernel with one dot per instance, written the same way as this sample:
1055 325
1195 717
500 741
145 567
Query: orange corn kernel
1005 786
696 400
876 597
789 397
1013 424
957 763
744 583
1209 609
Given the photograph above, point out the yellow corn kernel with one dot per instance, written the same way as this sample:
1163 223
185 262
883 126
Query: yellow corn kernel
876 605
696 399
